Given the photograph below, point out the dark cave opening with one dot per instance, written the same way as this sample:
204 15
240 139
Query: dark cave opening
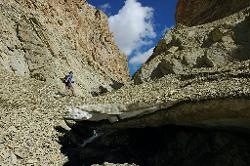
159 146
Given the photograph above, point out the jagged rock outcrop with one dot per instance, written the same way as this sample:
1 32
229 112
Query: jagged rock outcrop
46 40
208 47
193 12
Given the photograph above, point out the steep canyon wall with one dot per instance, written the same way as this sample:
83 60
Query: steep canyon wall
47 39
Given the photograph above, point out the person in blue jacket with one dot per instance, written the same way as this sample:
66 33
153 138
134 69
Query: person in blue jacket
69 82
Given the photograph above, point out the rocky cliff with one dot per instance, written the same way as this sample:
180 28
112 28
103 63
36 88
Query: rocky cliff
47 39
208 48
193 12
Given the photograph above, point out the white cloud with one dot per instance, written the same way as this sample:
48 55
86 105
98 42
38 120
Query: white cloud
105 7
141 57
132 26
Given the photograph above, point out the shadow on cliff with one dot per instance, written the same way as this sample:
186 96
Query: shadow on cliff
158 146
242 39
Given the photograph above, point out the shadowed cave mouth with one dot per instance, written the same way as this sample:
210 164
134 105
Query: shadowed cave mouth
167 145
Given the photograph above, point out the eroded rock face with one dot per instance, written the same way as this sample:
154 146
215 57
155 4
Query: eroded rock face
47 39
206 47
195 12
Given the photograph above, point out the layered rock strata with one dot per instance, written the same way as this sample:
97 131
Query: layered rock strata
47 39
193 12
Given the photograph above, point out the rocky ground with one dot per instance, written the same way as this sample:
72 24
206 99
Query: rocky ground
29 115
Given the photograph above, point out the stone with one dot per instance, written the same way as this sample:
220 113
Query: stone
173 49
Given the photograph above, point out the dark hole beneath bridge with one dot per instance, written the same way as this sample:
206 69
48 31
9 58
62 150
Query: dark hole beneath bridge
159 146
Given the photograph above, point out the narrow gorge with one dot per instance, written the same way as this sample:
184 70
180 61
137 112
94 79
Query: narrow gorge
188 105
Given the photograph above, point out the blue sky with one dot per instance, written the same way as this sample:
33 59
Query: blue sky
137 25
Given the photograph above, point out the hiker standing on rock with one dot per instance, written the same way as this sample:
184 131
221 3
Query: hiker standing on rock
68 83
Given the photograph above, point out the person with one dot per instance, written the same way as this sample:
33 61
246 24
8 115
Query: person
69 82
